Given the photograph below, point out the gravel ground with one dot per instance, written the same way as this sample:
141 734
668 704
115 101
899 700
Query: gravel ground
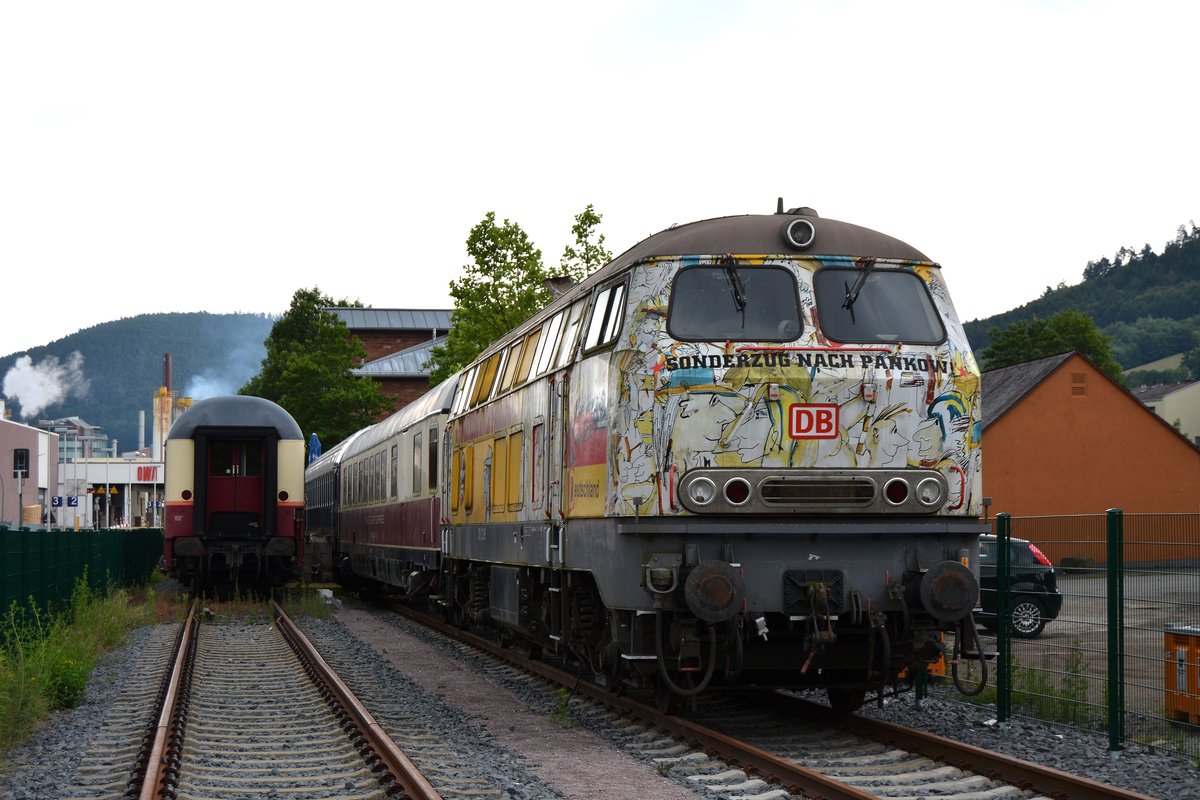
510 734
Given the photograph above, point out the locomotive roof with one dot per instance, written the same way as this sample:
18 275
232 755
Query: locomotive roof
764 233
759 234
235 411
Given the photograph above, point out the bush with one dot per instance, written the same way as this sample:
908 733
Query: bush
45 661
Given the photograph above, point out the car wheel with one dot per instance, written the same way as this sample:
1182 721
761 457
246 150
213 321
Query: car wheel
1028 619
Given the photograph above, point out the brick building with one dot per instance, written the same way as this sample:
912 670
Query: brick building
398 342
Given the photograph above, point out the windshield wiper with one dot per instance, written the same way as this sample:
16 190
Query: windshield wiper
735 282
867 264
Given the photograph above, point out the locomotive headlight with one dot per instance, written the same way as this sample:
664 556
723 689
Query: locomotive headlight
701 491
929 492
800 233
187 494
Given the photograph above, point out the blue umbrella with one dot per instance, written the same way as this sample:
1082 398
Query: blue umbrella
314 448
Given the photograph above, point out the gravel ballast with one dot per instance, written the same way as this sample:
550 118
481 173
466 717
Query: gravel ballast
33 770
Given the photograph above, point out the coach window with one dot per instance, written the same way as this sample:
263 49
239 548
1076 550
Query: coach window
734 302
395 471
606 317
433 450
417 457
870 304
570 333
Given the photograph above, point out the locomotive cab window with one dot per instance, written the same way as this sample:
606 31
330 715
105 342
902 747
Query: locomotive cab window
606 318
867 304
732 302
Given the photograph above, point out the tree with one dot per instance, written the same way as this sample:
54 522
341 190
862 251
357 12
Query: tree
1191 359
503 286
1037 338
585 257
310 355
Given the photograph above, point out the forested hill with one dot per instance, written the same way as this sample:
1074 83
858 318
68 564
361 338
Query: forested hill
119 368
1149 303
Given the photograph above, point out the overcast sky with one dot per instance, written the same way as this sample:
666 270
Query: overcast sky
218 156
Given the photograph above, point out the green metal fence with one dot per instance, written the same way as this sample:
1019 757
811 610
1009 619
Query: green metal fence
45 565
1123 655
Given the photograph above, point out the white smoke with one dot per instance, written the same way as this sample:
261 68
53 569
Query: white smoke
237 367
206 385
46 384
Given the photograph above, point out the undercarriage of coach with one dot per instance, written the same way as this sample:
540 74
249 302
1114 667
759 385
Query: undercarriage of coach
231 564
699 632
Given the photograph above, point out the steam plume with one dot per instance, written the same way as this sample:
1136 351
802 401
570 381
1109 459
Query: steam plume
35 388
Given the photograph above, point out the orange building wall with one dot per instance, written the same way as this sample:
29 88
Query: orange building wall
1058 453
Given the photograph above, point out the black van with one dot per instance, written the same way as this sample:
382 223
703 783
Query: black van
1033 587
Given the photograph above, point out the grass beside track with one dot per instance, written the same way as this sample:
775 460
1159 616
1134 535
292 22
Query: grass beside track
47 658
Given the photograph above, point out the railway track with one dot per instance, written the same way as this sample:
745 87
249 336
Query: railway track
253 709
244 710
773 745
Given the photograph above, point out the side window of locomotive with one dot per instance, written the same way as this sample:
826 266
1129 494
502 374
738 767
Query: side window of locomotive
483 384
536 446
570 333
734 303
544 357
512 361
516 443
876 305
607 313
501 360
499 473
455 486
463 391
527 352
469 478
606 317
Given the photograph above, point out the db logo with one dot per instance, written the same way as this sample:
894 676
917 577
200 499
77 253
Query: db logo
813 421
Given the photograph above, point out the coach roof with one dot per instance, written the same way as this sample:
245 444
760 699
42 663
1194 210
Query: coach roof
235 411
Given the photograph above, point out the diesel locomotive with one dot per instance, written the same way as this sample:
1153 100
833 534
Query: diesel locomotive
746 451
234 495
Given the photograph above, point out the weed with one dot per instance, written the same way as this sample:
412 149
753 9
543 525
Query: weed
561 714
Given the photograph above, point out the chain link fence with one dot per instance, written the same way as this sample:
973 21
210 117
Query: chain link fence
1120 648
